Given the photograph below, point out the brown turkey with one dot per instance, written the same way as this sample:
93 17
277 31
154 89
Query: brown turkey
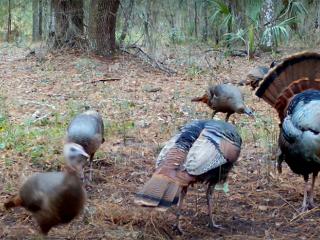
53 198
85 132
292 88
256 75
224 98
203 151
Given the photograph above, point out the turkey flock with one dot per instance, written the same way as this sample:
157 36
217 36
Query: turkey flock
203 151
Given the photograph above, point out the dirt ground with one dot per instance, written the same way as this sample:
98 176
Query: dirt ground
142 107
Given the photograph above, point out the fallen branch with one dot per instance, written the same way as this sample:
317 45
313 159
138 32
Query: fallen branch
106 80
100 80
153 62
155 89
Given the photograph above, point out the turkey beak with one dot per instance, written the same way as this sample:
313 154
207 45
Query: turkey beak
83 153
249 112
80 164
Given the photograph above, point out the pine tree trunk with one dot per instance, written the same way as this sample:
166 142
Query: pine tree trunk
147 21
9 22
205 17
67 25
127 16
102 26
268 18
37 20
40 18
195 19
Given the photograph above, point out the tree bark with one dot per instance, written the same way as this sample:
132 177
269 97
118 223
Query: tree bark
9 22
205 16
37 20
102 26
40 18
147 23
268 17
127 16
67 25
195 19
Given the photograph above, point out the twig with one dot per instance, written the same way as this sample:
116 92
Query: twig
288 203
42 117
105 80
304 214
100 80
100 159
153 62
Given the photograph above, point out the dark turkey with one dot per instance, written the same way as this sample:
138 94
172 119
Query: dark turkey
84 132
256 75
203 151
53 198
224 98
292 88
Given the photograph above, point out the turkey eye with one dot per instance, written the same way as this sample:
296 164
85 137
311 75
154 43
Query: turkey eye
72 149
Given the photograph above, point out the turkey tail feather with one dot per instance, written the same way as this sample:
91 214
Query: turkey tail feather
294 75
13 202
159 192
204 99
163 189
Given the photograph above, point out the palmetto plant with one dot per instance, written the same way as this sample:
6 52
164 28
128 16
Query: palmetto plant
279 32
222 14
257 34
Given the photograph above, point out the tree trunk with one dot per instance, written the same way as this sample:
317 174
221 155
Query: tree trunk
67 25
205 16
317 17
9 22
127 16
170 18
37 20
40 18
102 26
195 19
268 18
147 22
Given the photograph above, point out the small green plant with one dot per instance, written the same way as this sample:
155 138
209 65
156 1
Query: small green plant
194 71
35 140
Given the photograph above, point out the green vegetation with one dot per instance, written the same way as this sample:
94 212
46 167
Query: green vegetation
154 24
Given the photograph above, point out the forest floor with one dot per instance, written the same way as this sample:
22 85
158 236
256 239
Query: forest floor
142 108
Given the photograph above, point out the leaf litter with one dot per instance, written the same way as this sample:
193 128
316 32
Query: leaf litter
141 111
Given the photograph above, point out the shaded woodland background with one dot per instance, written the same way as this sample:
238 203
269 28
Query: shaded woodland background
104 26
139 62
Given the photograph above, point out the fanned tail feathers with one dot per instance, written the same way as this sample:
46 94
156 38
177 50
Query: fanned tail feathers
163 189
159 192
293 75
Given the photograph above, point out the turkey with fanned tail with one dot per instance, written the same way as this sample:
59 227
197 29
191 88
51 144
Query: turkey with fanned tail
292 88
203 151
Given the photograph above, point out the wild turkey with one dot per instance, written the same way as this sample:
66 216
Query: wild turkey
84 132
292 88
203 151
256 75
224 98
53 198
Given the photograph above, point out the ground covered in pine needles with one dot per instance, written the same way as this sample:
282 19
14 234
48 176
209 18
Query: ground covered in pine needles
142 108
